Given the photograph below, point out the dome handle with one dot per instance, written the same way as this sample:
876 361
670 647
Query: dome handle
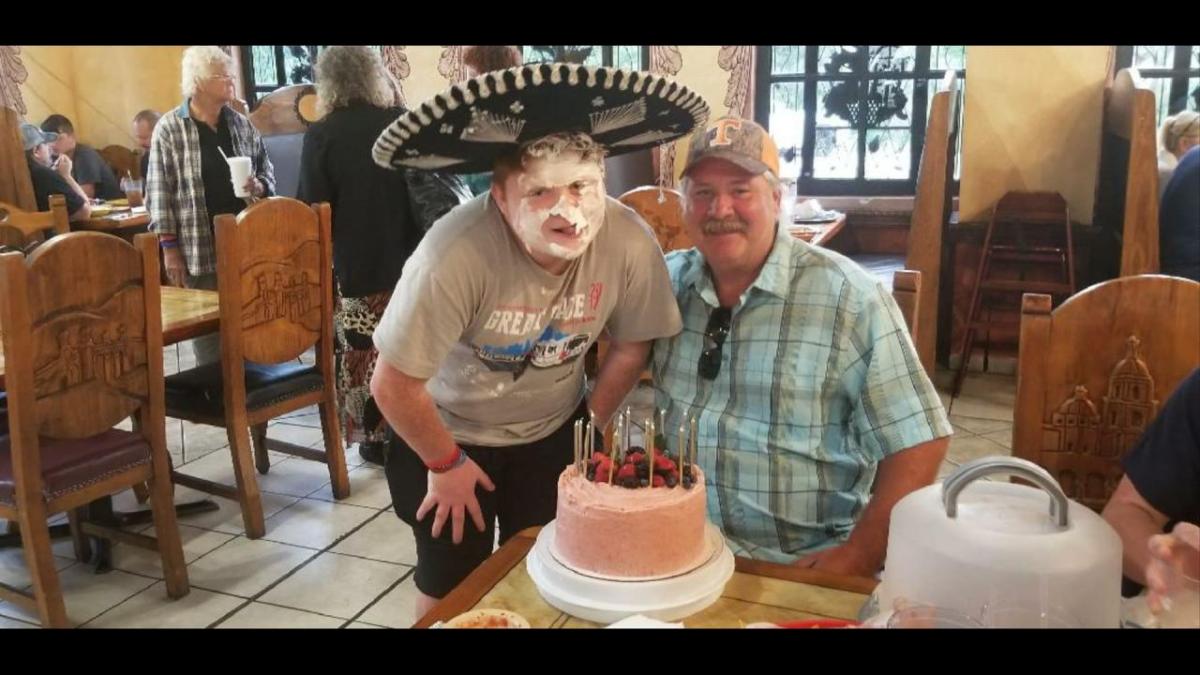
972 471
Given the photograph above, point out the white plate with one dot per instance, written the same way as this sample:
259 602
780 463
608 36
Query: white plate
606 601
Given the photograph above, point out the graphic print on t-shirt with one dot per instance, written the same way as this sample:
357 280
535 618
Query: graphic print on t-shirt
554 345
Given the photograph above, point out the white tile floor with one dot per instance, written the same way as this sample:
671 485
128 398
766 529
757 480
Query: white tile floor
314 544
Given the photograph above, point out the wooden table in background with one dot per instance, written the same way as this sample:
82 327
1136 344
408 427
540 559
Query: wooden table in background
123 224
819 234
758 591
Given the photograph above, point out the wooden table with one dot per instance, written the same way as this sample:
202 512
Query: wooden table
186 313
818 234
123 224
758 591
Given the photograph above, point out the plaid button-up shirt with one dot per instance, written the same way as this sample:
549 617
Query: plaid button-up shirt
819 382
175 187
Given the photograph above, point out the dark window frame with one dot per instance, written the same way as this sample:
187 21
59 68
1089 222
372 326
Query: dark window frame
1179 73
806 184
255 91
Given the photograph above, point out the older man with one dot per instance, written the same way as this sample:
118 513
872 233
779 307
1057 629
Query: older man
481 370
143 132
188 181
814 414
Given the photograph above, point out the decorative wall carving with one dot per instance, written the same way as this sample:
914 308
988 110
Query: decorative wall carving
666 60
396 62
738 60
12 75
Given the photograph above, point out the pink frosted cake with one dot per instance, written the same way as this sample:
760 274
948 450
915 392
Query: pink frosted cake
614 531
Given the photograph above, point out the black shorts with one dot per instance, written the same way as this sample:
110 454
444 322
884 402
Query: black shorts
526 479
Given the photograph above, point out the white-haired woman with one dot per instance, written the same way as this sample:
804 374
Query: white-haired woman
188 181
1179 133
379 217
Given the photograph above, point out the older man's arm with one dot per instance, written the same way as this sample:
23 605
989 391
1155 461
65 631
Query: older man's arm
1135 520
899 474
623 364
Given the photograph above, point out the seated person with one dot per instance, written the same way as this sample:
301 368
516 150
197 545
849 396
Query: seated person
89 169
1179 133
1179 220
815 416
1161 486
56 180
143 131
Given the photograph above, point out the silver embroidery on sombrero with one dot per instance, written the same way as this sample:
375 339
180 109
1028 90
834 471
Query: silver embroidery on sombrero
619 117
646 137
489 127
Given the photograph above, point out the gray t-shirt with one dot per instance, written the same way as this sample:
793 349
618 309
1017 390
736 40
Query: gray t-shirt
89 167
500 339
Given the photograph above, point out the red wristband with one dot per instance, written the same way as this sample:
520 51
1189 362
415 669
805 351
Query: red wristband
442 467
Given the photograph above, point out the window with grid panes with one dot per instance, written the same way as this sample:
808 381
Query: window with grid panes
1172 71
266 68
851 119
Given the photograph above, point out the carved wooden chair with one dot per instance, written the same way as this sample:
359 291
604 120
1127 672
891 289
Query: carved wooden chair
23 230
83 347
906 289
282 117
1092 374
931 214
275 281
662 209
122 160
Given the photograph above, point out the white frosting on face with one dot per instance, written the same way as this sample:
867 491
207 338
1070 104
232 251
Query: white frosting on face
559 205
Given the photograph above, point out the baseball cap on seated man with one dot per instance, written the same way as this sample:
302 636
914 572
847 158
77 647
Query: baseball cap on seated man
736 140
32 136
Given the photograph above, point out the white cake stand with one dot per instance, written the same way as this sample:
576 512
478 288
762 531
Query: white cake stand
607 601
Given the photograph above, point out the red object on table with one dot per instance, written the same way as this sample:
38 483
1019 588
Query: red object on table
818 623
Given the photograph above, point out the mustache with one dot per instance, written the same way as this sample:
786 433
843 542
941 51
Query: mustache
719 226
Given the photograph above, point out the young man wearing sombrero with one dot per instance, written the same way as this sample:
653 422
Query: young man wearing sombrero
481 348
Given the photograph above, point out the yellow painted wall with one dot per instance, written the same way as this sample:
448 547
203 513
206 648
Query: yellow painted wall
1032 122
51 84
424 80
100 88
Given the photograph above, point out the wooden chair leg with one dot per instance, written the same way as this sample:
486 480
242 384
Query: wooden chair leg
258 436
39 557
141 492
335 454
247 483
166 531
83 547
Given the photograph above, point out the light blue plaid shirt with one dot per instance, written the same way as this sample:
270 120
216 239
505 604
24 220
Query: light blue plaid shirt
819 382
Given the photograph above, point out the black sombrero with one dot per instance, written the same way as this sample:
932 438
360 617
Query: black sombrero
466 128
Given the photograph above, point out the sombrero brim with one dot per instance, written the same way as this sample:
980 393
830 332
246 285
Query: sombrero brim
466 128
